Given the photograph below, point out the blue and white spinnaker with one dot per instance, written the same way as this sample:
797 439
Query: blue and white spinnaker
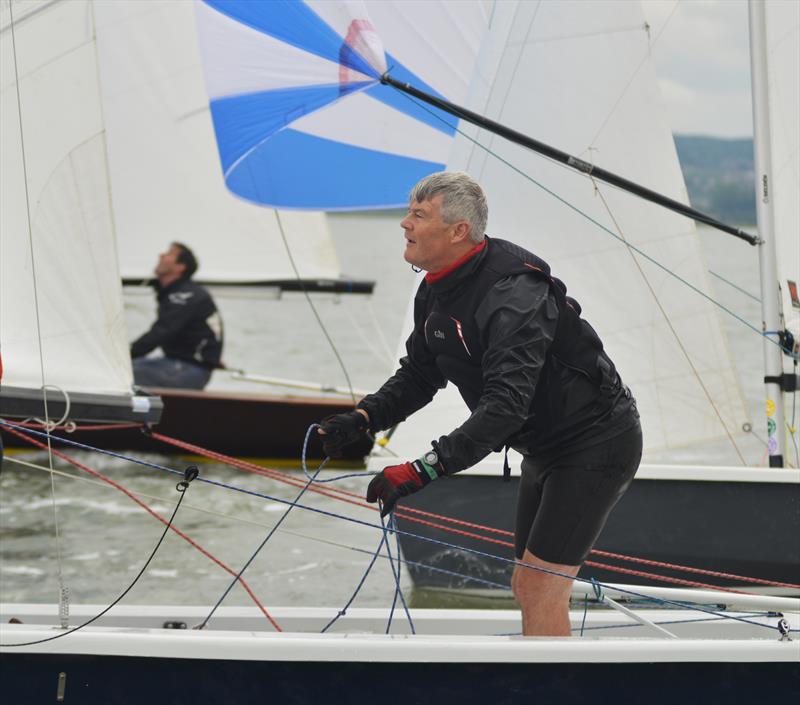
300 116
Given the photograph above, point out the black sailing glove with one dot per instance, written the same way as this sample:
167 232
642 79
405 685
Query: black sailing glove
341 430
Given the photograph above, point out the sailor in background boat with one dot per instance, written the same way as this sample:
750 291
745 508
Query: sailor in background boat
491 319
188 328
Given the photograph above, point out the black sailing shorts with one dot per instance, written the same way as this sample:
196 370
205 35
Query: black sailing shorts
562 505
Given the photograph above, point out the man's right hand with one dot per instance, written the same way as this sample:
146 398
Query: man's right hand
340 430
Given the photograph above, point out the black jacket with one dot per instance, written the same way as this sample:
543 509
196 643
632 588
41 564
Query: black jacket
507 328
188 326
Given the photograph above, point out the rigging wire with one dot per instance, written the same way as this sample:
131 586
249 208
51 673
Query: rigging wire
669 323
63 589
132 496
735 286
322 326
189 475
592 220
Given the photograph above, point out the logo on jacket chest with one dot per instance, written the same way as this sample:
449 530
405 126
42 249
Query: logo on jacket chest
445 336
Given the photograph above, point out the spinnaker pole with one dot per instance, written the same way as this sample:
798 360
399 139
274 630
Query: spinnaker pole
770 294
567 159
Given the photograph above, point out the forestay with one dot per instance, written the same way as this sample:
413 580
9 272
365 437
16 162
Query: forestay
75 304
578 76
300 117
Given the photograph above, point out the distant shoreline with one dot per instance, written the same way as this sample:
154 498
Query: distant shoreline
719 176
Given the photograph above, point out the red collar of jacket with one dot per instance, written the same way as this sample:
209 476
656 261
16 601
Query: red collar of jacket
432 277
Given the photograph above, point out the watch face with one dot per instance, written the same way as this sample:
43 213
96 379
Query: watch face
431 457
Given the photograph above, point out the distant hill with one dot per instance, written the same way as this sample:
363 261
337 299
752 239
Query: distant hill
719 176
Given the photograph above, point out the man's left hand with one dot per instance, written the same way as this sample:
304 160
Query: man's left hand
399 481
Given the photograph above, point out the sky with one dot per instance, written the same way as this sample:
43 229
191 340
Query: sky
702 57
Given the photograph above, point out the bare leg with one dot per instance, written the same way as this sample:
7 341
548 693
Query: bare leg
542 597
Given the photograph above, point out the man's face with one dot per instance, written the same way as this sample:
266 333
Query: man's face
168 263
429 240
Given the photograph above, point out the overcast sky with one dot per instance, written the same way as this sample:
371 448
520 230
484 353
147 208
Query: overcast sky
703 61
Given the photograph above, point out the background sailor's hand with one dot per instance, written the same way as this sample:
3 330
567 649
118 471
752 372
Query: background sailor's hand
340 430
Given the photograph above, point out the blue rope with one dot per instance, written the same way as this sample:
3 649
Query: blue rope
631 625
409 534
585 610
258 550
361 582
399 564
69 441
324 462
398 592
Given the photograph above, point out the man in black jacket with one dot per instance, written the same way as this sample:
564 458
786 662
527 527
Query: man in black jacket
188 328
490 318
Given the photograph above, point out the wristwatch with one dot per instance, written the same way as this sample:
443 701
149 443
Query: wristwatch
431 458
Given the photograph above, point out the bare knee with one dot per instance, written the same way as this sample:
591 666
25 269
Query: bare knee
537 578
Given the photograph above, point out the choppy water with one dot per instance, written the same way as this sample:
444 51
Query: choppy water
312 560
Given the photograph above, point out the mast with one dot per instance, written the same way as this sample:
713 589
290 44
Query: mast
770 294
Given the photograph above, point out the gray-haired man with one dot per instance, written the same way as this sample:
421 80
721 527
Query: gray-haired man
490 318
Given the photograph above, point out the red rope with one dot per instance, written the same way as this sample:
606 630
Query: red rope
144 506
407 512
665 578
700 571
69 428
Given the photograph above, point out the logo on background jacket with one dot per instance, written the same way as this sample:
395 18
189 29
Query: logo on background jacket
180 297
439 334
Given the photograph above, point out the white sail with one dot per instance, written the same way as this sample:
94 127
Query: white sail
577 76
783 60
64 328
166 181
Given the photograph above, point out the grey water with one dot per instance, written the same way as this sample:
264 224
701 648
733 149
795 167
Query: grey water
104 538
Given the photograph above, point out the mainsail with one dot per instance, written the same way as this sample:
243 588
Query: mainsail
578 76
